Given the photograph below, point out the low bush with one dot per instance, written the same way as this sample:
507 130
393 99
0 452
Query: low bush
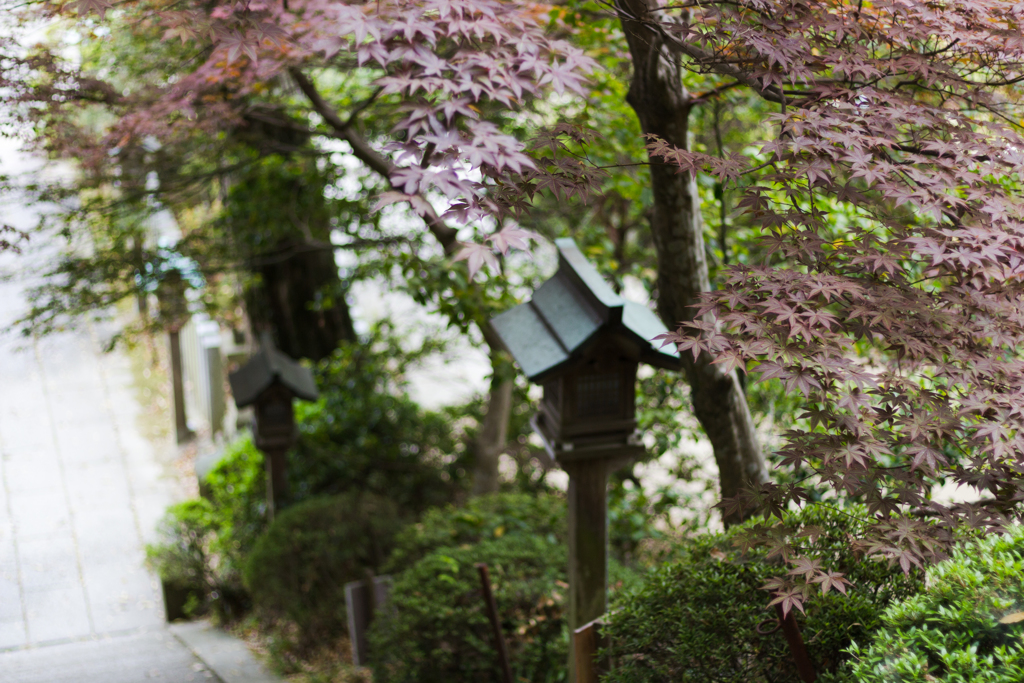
482 518
366 433
438 630
202 543
237 487
953 630
696 619
182 558
298 569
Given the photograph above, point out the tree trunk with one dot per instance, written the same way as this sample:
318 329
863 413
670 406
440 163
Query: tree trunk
182 433
293 280
493 435
662 105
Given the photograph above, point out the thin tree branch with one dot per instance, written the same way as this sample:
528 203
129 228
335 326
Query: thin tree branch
362 150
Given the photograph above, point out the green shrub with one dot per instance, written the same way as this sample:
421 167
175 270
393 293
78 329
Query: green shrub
366 434
439 631
298 569
951 632
183 557
438 628
238 493
482 518
696 619
202 543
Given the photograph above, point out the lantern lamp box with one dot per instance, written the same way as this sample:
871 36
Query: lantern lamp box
269 381
583 342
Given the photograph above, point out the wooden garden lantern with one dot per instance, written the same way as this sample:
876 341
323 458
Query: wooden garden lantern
269 382
583 343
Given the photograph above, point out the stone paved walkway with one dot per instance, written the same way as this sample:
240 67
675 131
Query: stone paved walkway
81 491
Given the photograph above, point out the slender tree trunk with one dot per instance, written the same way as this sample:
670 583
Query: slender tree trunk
181 431
662 105
286 301
493 435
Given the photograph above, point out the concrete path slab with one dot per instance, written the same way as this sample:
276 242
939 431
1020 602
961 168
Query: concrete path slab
81 492
221 653
134 658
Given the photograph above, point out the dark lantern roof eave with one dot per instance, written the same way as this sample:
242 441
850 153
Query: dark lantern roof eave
264 369
570 311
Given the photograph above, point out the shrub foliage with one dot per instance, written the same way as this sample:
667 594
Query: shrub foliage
366 434
203 543
952 631
696 619
439 632
298 569
482 518
438 629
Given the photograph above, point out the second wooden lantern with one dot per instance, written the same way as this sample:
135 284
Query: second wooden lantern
269 382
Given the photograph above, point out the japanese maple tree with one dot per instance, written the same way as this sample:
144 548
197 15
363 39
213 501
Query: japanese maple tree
901 326
888 197
439 79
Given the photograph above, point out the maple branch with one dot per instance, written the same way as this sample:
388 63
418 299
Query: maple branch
911 149
771 93
939 51
714 92
362 106
770 162
360 147
445 234
362 150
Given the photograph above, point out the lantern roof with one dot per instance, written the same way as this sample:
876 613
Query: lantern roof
267 367
571 311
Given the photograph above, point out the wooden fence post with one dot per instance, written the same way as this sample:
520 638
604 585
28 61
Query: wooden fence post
804 667
363 601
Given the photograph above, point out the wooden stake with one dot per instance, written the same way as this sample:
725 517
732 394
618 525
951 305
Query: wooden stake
492 613
791 630
586 641
277 480
182 432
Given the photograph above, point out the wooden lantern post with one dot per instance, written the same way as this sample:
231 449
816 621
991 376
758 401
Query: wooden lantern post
174 314
583 343
269 382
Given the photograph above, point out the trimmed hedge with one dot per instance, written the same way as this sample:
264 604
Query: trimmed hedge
951 632
695 619
438 631
298 569
482 518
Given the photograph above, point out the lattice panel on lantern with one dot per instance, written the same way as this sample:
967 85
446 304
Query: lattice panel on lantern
598 395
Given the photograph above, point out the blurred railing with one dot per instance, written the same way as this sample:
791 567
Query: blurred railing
205 350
